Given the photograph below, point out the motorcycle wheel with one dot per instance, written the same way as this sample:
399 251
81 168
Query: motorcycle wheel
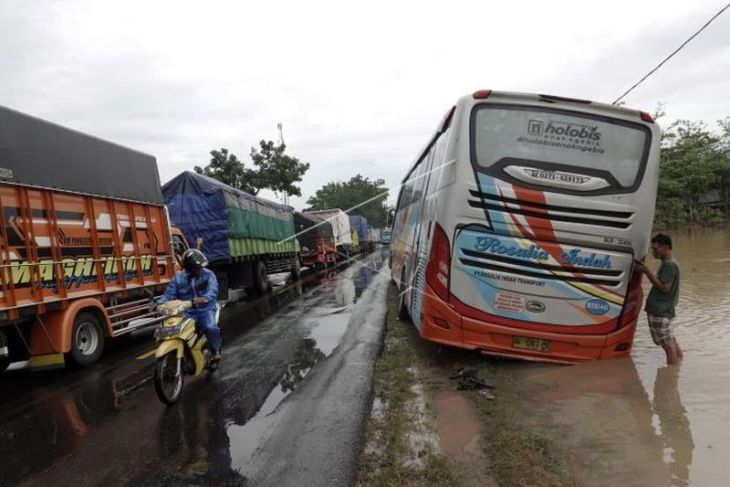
168 383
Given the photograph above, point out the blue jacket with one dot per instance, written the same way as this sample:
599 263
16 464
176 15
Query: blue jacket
186 287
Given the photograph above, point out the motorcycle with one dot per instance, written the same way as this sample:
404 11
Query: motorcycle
180 350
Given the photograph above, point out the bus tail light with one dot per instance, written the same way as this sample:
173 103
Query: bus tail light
439 263
633 301
482 94
646 117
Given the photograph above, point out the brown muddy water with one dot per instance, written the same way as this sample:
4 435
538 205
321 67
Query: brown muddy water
636 421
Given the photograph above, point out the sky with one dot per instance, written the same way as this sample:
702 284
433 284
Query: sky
359 87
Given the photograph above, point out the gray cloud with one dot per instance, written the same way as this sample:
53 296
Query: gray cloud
358 89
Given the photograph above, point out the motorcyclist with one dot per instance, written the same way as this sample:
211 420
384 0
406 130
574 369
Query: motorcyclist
198 284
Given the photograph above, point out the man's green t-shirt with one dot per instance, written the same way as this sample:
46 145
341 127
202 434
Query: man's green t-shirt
659 303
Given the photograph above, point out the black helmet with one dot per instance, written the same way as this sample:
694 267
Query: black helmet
194 258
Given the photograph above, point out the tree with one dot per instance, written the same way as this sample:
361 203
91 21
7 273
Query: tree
351 195
276 170
693 161
226 168
273 169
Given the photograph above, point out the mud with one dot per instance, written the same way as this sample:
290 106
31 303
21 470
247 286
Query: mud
458 426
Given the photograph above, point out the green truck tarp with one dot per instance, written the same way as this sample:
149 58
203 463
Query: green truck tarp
233 224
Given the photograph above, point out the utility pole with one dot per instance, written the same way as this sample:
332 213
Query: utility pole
280 128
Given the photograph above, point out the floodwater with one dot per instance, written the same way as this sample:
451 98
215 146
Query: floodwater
636 421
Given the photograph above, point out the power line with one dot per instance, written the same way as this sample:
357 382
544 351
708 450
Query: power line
672 54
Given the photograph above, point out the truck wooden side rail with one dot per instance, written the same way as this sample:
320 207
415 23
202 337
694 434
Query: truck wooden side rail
85 241
77 269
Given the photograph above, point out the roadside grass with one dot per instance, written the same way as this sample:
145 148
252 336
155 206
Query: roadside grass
390 457
516 454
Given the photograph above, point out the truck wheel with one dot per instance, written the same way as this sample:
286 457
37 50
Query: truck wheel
4 356
87 339
296 271
261 277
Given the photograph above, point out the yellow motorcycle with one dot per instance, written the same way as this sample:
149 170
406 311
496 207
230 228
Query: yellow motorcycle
180 350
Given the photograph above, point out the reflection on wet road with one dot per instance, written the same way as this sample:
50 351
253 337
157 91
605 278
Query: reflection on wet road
104 425
641 422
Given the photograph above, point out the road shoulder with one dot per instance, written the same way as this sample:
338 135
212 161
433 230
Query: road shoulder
422 430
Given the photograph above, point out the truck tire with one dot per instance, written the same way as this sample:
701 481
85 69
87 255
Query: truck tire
87 339
261 277
4 359
296 271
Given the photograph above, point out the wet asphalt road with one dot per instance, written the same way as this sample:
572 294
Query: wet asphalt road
287 406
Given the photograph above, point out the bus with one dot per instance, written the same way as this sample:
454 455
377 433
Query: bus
518 226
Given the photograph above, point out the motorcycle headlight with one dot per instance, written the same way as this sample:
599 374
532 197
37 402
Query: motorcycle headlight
173 308
173 311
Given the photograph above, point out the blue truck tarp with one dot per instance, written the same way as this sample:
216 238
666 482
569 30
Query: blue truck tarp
360 224
232 223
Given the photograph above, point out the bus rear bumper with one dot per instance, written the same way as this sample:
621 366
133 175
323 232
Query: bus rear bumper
441 324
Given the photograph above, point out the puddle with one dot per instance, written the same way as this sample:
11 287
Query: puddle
247 438
458 426
328 332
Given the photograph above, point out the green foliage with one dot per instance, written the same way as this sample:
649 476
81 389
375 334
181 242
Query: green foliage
351 194
694 161
226 167
276 170
273 169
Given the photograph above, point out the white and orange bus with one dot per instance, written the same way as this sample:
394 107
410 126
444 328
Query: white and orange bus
517 227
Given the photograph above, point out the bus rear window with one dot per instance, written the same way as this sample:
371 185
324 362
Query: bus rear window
556 137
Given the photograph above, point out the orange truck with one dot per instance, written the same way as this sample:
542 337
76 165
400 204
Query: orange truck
85 242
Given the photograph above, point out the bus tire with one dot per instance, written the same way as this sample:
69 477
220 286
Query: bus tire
403 314
87 339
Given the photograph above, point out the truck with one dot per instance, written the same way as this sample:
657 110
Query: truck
341 229
244 237
359 225
316 240
85 241
374 237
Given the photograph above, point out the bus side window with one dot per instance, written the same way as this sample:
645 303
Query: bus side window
439 159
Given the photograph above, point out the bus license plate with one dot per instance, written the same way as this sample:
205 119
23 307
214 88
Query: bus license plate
529 343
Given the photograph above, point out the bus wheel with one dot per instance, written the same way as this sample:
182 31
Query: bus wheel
402 307
87 339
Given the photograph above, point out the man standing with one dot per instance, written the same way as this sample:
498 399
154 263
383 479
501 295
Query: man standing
198 284
663 297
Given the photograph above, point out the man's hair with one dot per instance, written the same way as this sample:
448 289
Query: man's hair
662 239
